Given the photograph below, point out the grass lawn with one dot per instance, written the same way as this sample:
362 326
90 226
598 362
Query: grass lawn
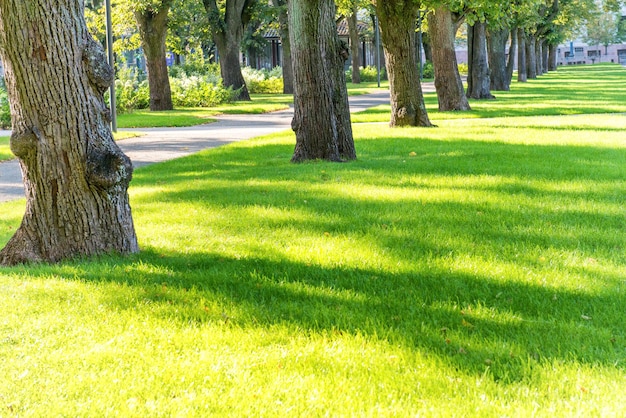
261 103
473 269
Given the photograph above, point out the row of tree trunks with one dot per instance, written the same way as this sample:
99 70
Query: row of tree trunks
75 176
321 111
353 30
442 30
397 26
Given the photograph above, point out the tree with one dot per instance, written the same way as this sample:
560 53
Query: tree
283 30
397 26
478 81
321 112
75 176
602 29
228 20
442 30
152 17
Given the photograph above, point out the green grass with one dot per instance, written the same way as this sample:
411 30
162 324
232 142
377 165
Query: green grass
474 269
570 91
261 103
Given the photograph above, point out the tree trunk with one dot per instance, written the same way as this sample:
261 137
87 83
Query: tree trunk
227 33
283 21
510 65
552 57
397 25
538 60
522 74
153 31
496 47
321 111
545 56
478 71
531 57
450 93
354 46
75 176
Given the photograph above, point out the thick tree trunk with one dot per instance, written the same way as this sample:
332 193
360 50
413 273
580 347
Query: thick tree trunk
478 71
153 31
75 176
522 74
496 50
552 57
227 33
450 92
354 46
397 25
283 20
539 58
531 57
510 65
321 111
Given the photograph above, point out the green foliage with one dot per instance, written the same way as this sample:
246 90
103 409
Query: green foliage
368 74
463 68
130 92
428 70
196 91
263 81
5 111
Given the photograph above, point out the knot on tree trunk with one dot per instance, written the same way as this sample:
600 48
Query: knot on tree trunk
100 73
24 143
108 166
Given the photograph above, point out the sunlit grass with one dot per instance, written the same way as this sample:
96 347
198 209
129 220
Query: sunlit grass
473 269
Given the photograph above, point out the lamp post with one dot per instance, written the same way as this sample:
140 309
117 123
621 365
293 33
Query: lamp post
109 30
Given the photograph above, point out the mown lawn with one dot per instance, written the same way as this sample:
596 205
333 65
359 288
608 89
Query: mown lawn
473 269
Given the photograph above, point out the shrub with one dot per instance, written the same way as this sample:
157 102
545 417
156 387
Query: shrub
463 68
130 93
197 91
5 110
263 81
428 71
368 74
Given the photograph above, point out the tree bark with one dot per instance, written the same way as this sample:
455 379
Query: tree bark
478 71
510 65
283 21
522 74
397 26
552 57
321 111
496 50
227 33
545 56
531 57
450 92
539 58
354 46
75 176
153 32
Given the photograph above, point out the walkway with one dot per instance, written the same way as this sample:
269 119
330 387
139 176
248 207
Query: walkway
161 144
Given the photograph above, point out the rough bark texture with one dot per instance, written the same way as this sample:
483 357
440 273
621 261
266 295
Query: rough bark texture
153 31
531 57
522 74
496 50
478 67
75 176
283 20
545 57
321 111
397 26
227 30
448 83
510 64
354 46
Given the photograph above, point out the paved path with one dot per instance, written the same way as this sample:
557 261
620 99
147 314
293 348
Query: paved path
161 144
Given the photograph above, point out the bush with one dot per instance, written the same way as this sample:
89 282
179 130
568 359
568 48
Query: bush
463 68
263 81
368 74
130 93
5 110
197 91
428 70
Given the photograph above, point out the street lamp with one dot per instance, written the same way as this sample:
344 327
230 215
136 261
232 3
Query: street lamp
109 30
